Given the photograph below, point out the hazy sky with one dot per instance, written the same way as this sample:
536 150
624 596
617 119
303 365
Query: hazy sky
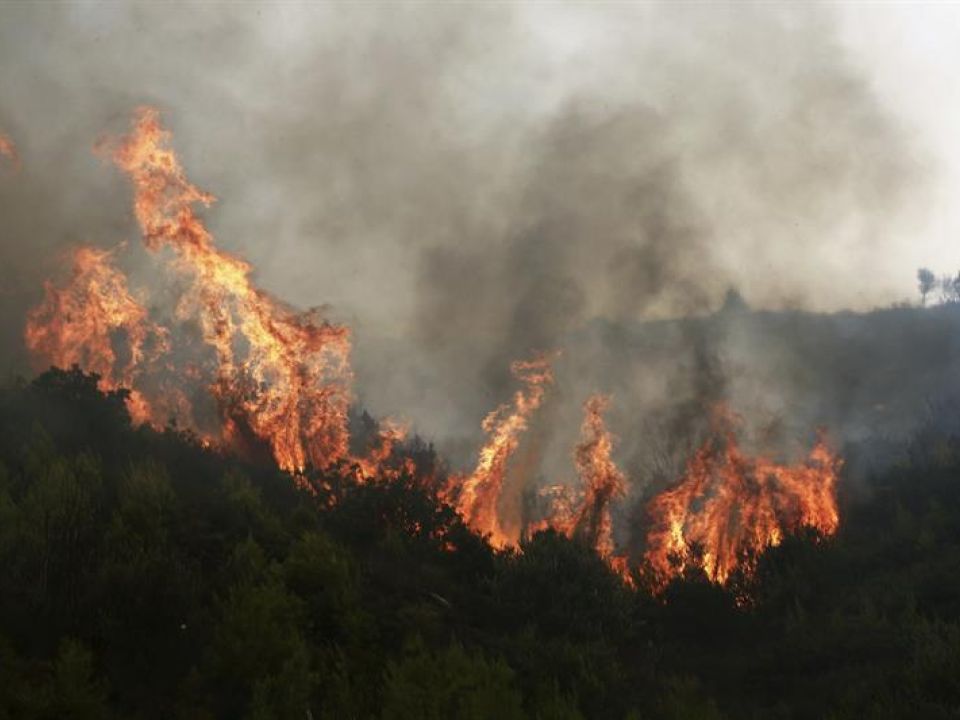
910 52
468 92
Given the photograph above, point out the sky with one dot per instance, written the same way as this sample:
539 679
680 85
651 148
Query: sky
477 75
910 52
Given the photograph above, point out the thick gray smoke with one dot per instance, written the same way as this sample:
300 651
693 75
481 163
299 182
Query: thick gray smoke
465 184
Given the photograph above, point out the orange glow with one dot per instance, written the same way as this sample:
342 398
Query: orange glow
588 517
732 506
280 382
476 495
290 384
8 150
376 460
82 324
278 375
602 479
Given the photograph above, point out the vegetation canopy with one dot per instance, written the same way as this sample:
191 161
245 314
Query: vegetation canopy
146 575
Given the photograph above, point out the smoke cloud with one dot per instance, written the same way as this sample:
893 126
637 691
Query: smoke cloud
466 184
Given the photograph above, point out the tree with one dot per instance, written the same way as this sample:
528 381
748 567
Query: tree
449 684
926 281
950 288
259 662
733 302
77 693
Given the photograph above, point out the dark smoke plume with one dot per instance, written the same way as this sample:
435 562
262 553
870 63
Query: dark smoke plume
466 184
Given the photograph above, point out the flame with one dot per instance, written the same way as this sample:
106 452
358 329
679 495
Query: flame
732 506
375 463
283 378
8 150
291 386
600 476
279 375
82 323
601 481
476 495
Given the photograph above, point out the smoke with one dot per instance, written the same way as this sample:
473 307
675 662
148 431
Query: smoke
467 184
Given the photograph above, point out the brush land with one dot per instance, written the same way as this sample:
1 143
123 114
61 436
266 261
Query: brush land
146 576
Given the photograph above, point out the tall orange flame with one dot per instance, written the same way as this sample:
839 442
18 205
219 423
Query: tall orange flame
476 496
280 375
731 506
602 479
587 515
290 387
82 324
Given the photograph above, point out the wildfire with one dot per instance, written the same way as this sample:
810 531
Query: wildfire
476 496
731 506
601 482
8 150
282 379
291 386
587 515
80 324
390 434
279 375
599 475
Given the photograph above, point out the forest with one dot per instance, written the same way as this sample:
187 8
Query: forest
147 575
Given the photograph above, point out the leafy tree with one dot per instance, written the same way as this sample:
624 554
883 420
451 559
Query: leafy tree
950 288
76 692
449 684
926 281
683 699
258 662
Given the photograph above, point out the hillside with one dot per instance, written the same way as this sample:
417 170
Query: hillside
145 576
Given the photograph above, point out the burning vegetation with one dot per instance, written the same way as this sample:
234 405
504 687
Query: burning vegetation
585 514
77 324
279 377
476 495
8 150
728 506
280 381
289 384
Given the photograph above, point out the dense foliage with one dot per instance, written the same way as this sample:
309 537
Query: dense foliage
143 575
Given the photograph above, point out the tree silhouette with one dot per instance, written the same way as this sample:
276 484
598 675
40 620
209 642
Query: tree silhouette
926 281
